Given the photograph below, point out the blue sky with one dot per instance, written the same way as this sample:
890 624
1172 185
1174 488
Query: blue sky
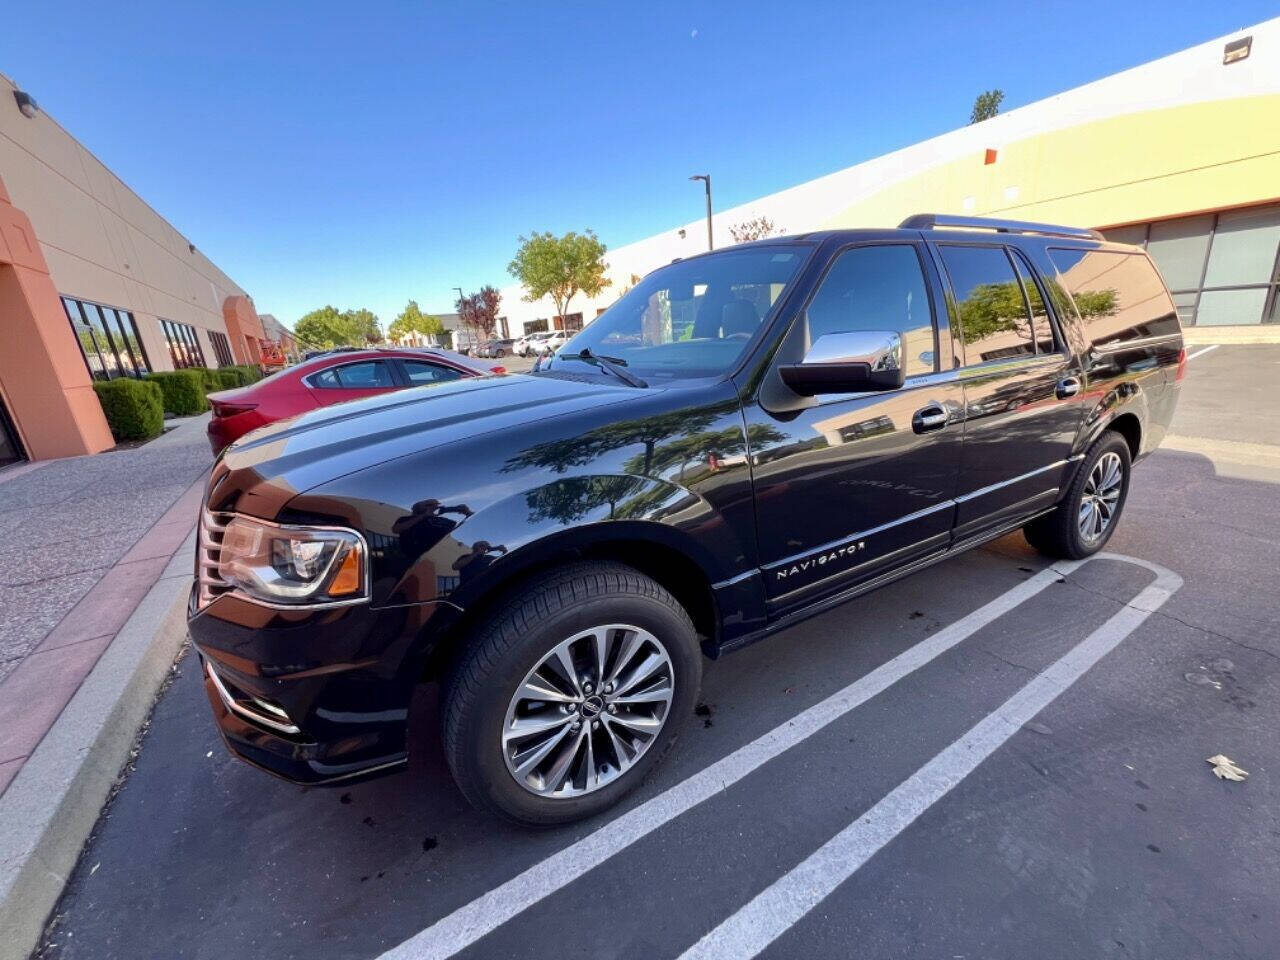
364 154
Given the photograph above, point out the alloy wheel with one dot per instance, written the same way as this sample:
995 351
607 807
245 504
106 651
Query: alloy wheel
588 711
1100 496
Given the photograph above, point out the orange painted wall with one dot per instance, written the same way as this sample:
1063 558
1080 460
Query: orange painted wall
244 329
46 386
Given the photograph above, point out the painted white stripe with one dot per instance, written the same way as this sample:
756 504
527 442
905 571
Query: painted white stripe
1203 351
489 911
772 912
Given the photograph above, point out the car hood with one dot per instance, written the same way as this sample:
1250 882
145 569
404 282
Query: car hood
266 468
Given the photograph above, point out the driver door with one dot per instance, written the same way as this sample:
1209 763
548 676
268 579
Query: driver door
849 487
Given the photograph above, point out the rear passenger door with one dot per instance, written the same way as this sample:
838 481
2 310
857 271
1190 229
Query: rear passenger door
351 381
1023 391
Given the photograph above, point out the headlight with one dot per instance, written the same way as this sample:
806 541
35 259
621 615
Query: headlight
286 565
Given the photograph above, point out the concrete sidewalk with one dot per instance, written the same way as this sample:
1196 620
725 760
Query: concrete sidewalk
82 541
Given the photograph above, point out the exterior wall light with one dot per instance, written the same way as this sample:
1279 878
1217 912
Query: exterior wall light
27 105
1237 50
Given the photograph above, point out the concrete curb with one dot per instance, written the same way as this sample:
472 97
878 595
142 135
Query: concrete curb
53 803
1204 336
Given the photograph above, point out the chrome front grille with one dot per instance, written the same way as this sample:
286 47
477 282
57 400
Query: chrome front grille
213 526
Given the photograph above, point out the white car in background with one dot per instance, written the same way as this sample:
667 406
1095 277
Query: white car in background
550 343
524 346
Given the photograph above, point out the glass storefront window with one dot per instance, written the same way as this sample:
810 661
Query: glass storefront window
108 339
1244 247
1178 247
1222 268
1230 307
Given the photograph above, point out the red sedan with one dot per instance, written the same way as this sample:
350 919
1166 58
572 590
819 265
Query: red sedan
332 378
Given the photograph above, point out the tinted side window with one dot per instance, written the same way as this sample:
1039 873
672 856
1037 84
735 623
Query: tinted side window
1040 322
421 372
325 379
877 288
365 376
1119 295
991 304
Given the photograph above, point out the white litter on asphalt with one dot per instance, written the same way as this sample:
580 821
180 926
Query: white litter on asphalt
472 921
1225 769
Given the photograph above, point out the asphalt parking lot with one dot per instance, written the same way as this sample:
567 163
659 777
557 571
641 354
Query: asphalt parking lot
988 759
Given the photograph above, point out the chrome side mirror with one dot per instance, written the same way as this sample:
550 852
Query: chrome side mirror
853 362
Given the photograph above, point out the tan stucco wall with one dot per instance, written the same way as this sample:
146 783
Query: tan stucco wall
100 239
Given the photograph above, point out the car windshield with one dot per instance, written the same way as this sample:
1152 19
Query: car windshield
692 318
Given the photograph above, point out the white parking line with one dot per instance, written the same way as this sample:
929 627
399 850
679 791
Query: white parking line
489 911
772 912
1201 352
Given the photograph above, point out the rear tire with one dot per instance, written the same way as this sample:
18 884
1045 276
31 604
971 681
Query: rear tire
496 719
1086 517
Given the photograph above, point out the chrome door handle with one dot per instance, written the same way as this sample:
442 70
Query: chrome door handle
1068 387
932 417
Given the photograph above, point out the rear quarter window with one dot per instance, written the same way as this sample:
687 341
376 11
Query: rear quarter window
1120 296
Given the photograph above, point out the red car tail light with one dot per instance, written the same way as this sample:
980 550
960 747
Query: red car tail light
497 369
224 409
1182 364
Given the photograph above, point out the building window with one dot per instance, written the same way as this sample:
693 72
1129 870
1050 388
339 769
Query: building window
184 347
221 348
570 323
1222 268
108 338
535 326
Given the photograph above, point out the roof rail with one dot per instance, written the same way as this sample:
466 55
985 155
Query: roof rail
929 221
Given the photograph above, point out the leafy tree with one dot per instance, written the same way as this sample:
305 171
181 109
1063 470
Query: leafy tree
560 267
413 321
480 310
986 106
757 228
327 328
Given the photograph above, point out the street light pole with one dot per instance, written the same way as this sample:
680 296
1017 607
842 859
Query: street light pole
706 179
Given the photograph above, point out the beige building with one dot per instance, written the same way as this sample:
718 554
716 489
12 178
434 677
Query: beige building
94 284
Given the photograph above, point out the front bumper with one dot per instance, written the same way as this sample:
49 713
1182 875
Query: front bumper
311 696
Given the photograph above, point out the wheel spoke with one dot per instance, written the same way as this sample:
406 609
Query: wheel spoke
647 668
648 726
525 764
566 665
619 753
601 646
564 763
535 689
523 727
652 695
631 642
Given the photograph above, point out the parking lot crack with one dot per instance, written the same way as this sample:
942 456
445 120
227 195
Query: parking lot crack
1019 666
1186 623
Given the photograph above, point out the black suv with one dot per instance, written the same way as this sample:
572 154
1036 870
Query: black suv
744 439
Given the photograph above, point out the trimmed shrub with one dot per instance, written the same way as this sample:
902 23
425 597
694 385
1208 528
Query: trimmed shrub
249 373
227 380
183 391
134 408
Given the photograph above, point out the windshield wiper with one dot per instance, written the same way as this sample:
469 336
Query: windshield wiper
613 364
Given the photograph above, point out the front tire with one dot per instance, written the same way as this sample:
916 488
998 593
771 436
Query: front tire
1086 517
570 692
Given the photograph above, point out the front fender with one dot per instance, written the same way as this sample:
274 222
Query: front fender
517 532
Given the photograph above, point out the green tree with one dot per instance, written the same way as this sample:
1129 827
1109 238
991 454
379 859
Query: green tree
327 328
560 267
413 321
986 106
